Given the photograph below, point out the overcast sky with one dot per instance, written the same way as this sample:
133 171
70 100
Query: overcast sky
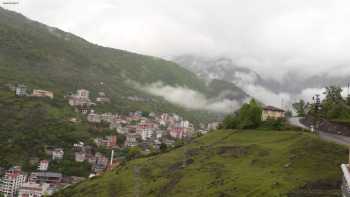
271 36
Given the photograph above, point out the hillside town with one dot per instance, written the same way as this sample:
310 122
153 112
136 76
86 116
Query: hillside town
144 132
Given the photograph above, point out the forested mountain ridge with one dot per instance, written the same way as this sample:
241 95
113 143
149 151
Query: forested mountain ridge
45 57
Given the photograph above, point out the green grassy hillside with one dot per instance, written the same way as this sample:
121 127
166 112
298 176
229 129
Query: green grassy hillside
45 57
228 163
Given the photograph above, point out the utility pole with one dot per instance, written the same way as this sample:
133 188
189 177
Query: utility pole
112 157
317 105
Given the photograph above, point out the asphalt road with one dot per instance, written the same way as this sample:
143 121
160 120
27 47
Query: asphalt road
339 139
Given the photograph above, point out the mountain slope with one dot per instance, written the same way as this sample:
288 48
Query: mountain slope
29 125
228 163
45 57
294 82
220 89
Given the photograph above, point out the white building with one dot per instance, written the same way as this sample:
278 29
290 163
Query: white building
213 126
33 190
21 90
107 117
185 123
80 156
146 133
12 182
43 165
78 146
93 117
57 154
83 94
131 139
81 98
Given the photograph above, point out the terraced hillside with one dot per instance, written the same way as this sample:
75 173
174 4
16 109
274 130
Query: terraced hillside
228 163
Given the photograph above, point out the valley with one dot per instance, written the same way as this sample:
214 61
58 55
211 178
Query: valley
84 117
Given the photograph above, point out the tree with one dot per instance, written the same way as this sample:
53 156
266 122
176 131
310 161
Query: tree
333 94
121 139
348 100
163 147
230 122
289 114
133 152
334 106
300 107
248 117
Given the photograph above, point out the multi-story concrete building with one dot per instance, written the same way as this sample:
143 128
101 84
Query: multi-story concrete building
46 177
43 165
82 93
131 139
145 130
12 181
80 156
33 190
81 98
93 117
57 154
21 90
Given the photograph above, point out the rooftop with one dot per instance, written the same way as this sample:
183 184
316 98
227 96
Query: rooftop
272 108
47 174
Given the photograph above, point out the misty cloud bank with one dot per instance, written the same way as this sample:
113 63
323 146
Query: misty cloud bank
270 36
248 83
189 98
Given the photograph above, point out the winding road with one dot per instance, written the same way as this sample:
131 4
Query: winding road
339 139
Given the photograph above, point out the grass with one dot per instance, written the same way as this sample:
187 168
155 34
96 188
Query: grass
225 163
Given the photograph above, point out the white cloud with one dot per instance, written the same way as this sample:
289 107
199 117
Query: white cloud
270 36
189 98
